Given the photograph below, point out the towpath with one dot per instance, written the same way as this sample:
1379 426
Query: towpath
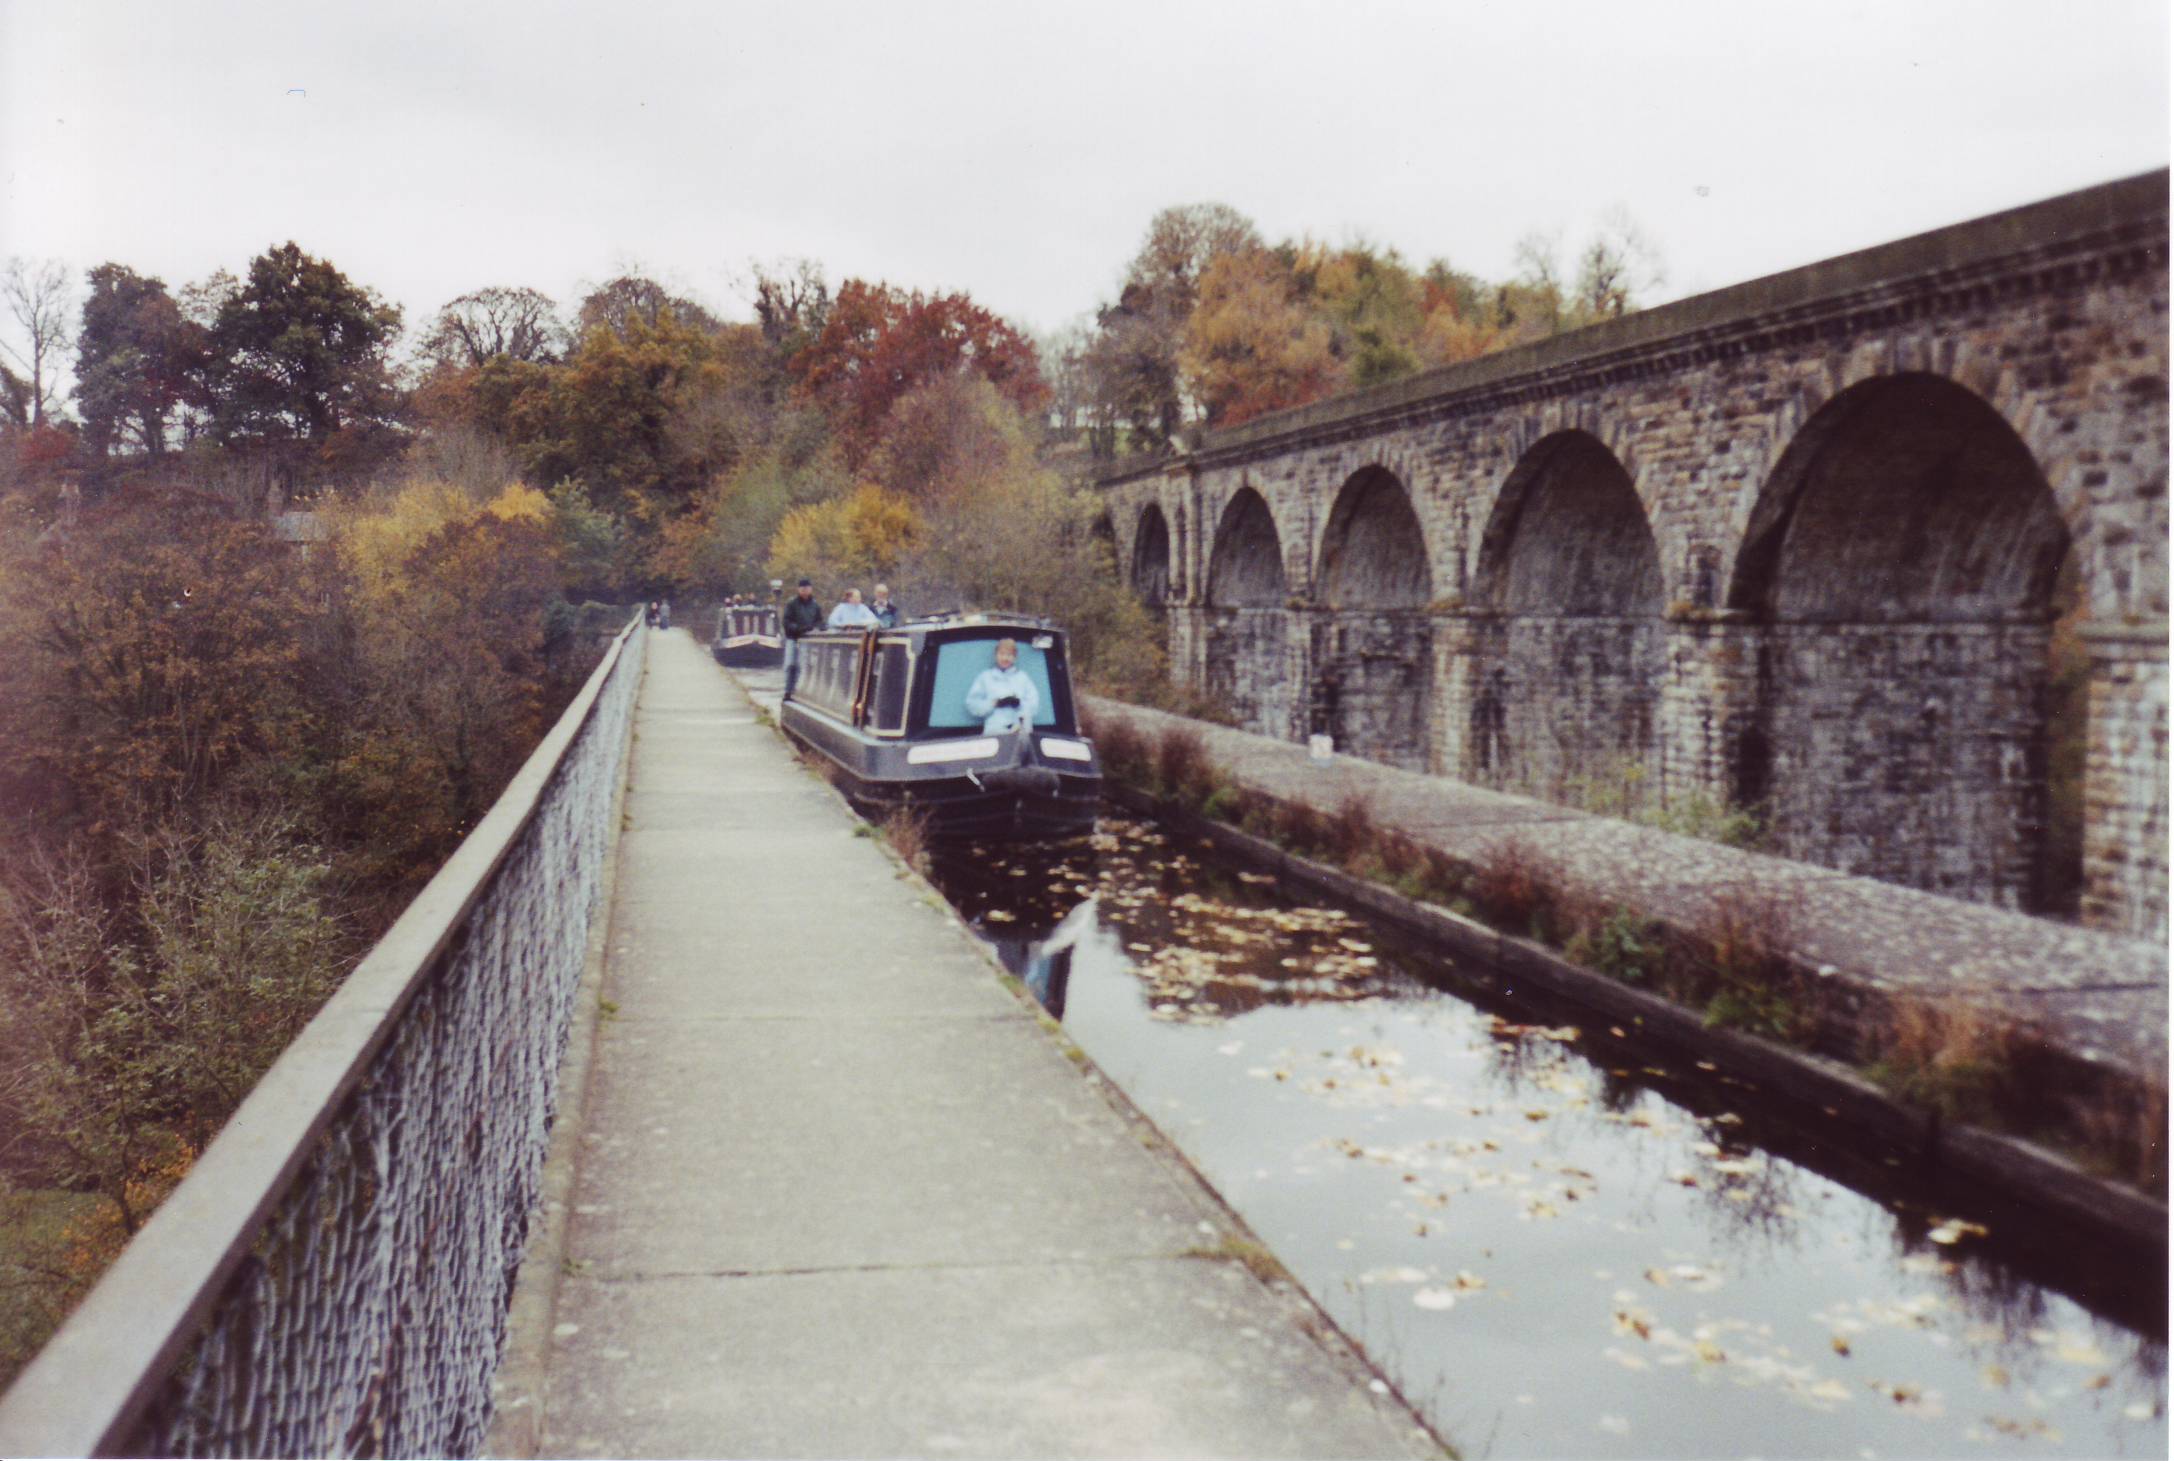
828 1188
2099 996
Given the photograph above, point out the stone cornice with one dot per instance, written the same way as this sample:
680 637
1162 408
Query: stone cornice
2114 231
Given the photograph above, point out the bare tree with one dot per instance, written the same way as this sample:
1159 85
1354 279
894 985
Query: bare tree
36 298
792 300
520 324
1618 265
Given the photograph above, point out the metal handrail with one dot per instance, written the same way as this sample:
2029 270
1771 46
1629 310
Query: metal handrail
173 1352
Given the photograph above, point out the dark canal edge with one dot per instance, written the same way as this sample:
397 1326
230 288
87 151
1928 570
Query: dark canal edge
2002 1165
1235 1240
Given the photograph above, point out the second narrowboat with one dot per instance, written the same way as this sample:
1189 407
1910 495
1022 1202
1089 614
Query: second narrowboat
747 637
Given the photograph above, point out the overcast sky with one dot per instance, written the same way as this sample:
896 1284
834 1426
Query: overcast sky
1017 150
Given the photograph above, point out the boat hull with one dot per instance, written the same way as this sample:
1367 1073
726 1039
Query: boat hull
749 652
1018 793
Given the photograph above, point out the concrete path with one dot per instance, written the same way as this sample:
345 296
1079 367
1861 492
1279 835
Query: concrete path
2100 996
835 1191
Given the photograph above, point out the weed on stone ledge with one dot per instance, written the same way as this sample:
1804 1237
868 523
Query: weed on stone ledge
1249 1255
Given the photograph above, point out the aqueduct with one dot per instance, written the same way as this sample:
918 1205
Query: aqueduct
1877 546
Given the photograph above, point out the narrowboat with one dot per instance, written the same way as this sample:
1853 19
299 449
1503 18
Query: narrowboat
887 710
747 637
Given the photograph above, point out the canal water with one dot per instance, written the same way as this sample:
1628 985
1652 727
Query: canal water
1555 1243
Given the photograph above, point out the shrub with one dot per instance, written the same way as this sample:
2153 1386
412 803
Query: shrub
1183 771
1518 888
1621 945
906 829
1949 1054
1350 834
1736 960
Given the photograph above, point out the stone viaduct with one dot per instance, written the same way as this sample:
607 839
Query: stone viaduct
1876 546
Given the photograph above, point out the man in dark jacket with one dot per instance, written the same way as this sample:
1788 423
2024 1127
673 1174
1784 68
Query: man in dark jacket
802 615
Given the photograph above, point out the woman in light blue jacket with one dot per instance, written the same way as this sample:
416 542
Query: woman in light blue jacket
1003 695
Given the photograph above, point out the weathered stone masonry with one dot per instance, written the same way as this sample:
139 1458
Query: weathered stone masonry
1859 544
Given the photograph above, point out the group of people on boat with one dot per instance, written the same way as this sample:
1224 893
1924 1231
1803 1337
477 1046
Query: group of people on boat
803 616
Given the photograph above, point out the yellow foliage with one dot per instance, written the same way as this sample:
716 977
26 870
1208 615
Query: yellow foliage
376 538
521 503
846 542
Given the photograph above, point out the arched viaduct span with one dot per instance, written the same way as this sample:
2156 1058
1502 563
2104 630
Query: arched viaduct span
1878 545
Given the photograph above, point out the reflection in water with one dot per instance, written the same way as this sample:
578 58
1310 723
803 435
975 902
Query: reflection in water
1558 1244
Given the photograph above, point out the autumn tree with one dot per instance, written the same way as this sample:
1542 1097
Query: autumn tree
158 651
299 365
134 356
34 296
847 542
452 669
722 544
1133 364
1252 345
619 303
878 343
616 416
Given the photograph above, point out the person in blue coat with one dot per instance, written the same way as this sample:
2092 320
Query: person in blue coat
1003 695
851 613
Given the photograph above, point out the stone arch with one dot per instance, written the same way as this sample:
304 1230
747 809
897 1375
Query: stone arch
1245 562
1568 536
1150 575
1372 643
1905 560
1566 640
1374 550
1245 624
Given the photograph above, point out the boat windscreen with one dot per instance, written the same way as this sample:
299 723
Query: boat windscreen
958 661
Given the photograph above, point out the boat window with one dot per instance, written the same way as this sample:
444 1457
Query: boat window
887 698
827 672
958 661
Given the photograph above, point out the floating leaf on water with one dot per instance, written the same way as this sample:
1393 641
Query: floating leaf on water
1830 1390
1710 1352
1954 1230
1840 1346
2098 1382
2141 1410
1657 1277
998 915
1401 1274
1435 1298
2076 1349
1468 1281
